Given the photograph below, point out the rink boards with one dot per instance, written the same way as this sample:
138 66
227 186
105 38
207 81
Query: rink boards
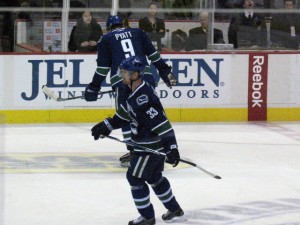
212 86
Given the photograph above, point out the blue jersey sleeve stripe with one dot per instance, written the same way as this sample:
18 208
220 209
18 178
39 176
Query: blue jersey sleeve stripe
122 113
162 128
100 74
159 125
153 54
115 79
155 57
124 109
165 131
121 117
103 70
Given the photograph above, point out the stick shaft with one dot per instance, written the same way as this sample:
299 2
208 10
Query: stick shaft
161 153
200 168
82 96
52 95
135 145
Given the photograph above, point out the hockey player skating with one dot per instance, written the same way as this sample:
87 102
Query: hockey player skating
113 48
150 128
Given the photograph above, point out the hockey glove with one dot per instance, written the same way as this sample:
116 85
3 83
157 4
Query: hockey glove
173 157
172 80
103 128
169 79
91 92
165 72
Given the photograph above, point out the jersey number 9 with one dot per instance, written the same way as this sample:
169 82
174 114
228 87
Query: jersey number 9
127 48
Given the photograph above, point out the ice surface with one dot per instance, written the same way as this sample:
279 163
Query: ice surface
58 175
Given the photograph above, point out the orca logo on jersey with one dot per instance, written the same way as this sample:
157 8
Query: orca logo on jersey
173 146
142 99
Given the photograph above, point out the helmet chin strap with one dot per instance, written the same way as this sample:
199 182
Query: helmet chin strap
132 81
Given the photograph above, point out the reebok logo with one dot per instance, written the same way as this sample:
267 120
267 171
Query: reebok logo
257 87
256 79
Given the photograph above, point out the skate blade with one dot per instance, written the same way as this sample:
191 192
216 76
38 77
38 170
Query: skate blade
178 219
125 165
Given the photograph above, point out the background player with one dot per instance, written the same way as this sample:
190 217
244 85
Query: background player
115 46
150 128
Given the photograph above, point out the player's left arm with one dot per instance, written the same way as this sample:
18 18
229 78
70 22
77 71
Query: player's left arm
163 128
164 70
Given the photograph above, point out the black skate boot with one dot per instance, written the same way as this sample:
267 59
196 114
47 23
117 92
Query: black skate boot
125 159
142 221
175 216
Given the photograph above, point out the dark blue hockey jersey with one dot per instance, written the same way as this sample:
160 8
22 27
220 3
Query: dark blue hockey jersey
122 43
150 126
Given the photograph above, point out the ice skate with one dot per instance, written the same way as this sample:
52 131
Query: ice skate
142 221
125 159
176 216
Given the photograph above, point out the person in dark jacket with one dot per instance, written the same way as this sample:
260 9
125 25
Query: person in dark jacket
285 27
85 34
153 26
248 29
198 36
7 25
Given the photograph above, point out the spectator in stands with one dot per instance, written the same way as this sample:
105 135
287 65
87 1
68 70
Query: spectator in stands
198 36
85 34
7 25
153 26
286 27
179 40
247 30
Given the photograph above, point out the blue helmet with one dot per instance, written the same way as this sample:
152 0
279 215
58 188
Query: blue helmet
133 64
113 20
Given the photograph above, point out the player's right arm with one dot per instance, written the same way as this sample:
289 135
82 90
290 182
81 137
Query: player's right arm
103 67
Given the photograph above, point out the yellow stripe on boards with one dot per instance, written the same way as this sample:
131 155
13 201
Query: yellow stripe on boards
207 114
283 114
174 115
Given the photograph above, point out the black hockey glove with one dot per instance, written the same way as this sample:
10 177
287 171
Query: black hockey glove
173 157
91 92
165 72
172 80
102 128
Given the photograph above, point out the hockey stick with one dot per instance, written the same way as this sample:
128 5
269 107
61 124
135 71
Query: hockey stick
135 145
200 168
53 96
161 153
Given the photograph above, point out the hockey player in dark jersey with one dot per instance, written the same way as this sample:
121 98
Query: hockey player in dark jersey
117 45
150 128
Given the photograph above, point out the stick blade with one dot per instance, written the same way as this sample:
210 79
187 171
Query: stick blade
218 177
49 93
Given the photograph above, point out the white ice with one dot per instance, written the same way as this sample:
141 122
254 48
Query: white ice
259 164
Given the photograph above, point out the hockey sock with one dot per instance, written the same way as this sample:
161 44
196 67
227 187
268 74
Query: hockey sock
163 191
141 197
